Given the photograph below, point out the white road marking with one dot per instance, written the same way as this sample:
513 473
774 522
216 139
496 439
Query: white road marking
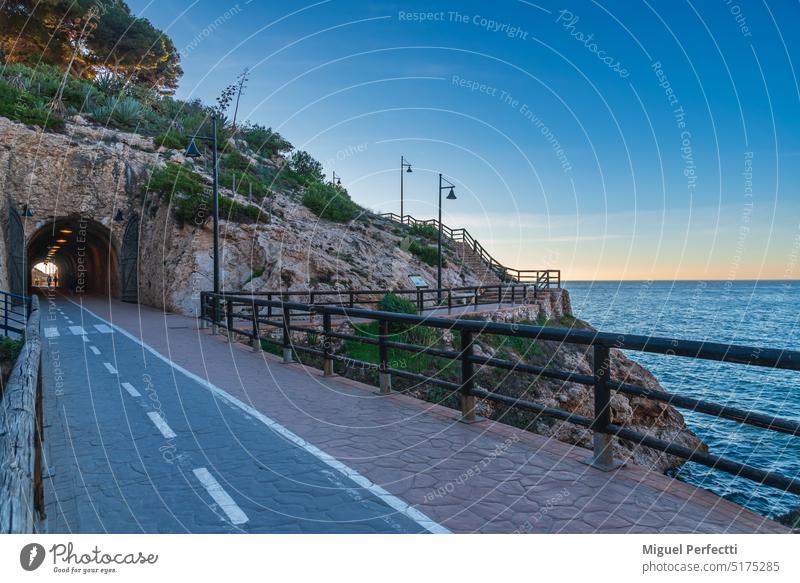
390 499
110 368
131 390
103 329
85 339
69 321
95 350
220 496
160 424
77 330
51 332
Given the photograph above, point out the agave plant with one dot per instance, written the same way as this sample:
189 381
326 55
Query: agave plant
101 113
127 111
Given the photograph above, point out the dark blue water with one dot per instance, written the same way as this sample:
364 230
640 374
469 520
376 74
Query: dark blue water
765 313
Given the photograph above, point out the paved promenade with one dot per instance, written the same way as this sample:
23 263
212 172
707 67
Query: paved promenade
156 426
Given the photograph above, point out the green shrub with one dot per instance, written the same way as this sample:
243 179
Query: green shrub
235 160
264 140
398 304
306 167
425 231
171 139
244 183
24 107
329 202
426 254
190 197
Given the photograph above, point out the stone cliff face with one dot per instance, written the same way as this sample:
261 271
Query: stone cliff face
94 173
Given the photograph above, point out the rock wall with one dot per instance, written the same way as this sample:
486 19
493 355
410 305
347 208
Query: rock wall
94 173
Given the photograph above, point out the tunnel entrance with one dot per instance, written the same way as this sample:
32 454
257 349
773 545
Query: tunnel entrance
80 252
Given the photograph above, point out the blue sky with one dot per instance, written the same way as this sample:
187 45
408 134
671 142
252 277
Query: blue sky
612 140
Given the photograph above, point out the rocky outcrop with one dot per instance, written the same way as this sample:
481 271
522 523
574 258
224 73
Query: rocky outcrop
99 174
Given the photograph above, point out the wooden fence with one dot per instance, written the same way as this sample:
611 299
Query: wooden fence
21 496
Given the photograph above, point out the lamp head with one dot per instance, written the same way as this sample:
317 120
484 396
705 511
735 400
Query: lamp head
192 151
408 169
451 195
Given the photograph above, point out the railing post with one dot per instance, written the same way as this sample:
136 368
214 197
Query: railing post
449 300
327 361
383 357
351 299
229 318
467 379
256 331
269 307
420 304
287 341
602 457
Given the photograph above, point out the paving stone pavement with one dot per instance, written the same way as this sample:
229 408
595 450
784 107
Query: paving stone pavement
115 471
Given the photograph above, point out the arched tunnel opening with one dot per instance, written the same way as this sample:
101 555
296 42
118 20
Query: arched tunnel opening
81 256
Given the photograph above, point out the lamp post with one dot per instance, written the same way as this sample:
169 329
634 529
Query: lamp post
450 196
404 166
193 152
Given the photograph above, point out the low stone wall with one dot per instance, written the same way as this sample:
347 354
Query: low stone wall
20 421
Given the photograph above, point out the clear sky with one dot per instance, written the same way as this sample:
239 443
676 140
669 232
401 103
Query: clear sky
612 140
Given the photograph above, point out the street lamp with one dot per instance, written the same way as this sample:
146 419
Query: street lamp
336 180
450 196
404 166
193 152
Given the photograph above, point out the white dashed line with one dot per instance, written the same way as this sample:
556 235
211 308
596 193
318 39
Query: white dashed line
77 330
85 338
51 332
220 496
95 350
110 368
131 390
103 329
391 500
161 425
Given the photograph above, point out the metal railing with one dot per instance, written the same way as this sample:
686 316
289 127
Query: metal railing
14 313
542 278
246 315
424 298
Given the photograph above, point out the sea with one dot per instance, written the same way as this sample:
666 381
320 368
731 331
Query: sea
753 313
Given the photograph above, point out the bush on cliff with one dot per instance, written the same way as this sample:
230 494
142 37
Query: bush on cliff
427 254
19 106
329 202
190 197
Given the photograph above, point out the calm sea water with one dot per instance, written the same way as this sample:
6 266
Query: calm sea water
764 313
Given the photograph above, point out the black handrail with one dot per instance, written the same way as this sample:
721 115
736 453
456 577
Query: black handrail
542 278
11 320
423 298
249 307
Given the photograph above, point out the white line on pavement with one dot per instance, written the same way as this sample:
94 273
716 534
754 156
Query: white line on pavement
110 368
77 330
220 496
50 332
85 339
103 329
95 349
390 499
160 424
131 389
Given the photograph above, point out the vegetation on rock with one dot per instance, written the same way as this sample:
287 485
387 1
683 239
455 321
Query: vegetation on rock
330 202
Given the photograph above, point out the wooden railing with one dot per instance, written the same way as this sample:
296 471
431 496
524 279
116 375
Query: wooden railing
542 278
21 496
247 315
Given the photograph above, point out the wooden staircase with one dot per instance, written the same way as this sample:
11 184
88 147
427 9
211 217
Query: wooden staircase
474 256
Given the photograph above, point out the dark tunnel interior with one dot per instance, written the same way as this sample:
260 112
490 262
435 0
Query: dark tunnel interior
85 259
